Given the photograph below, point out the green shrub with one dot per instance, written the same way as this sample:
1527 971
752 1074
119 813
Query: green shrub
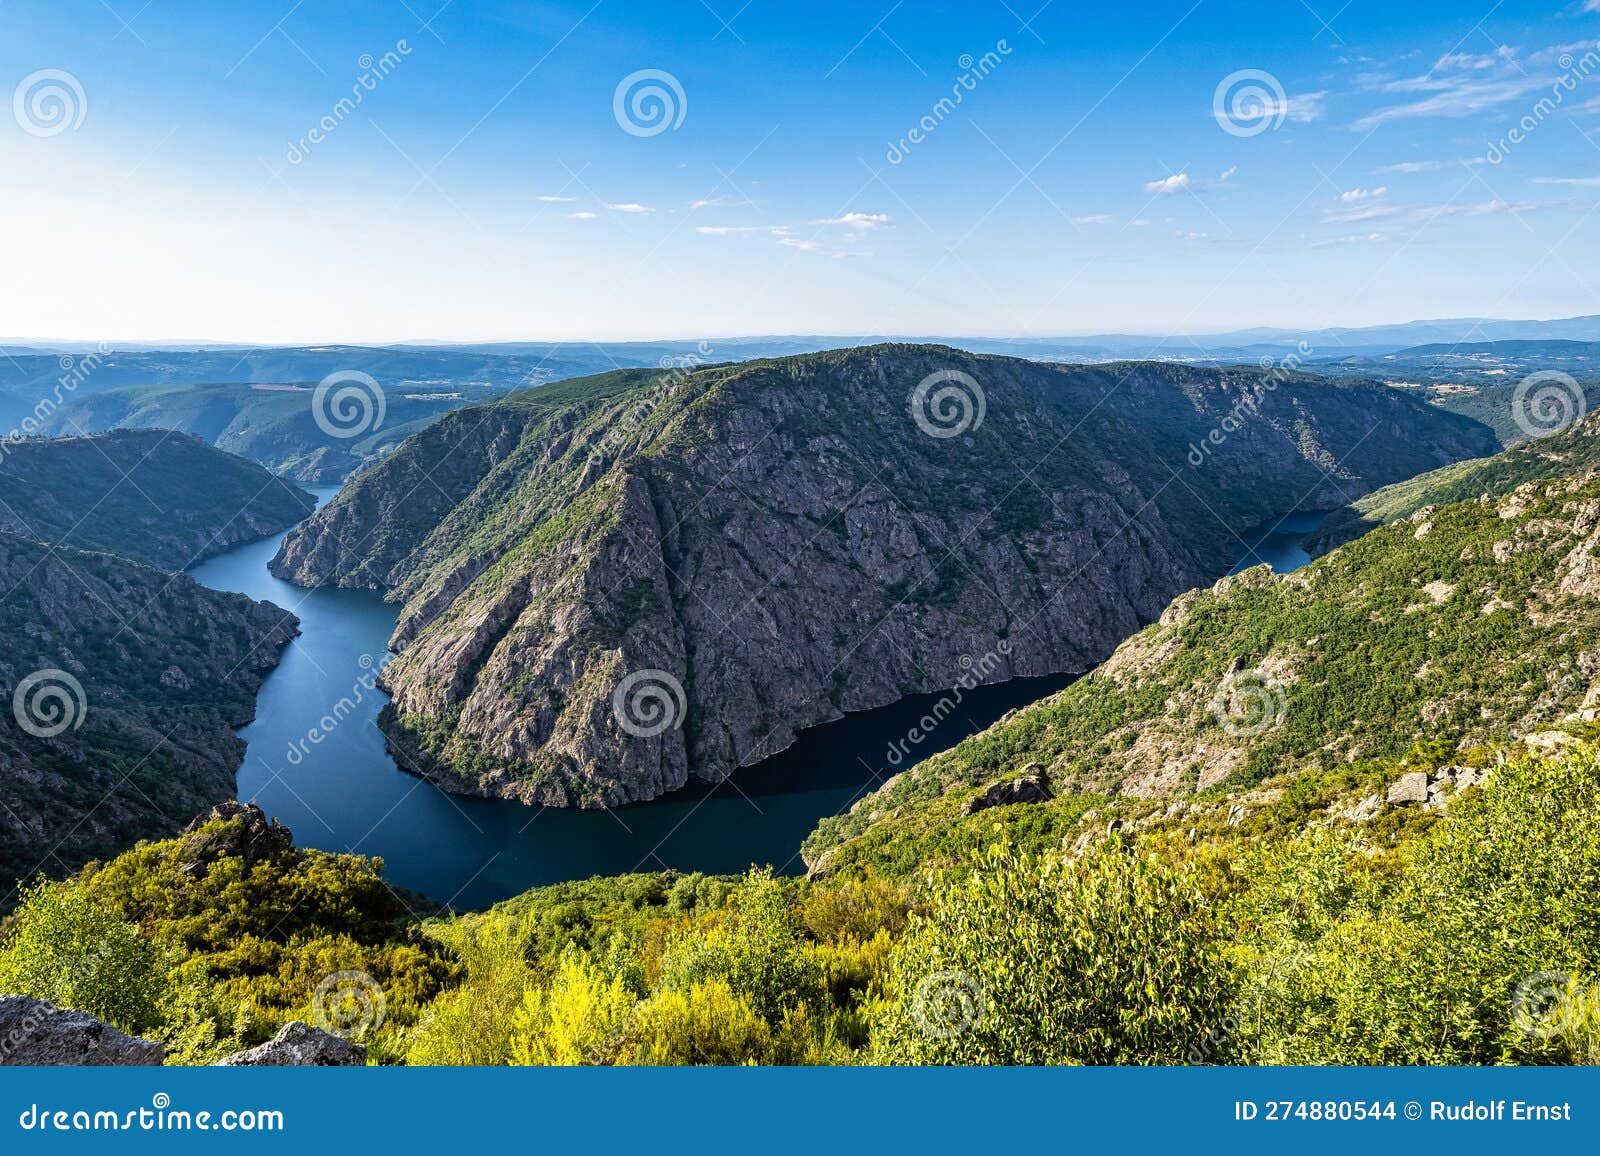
64 947
1111 958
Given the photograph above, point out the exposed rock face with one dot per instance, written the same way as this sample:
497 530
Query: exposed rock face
251 838
1263 676
299 1044
1030 788
34 1032
1412 788
772 544
121 748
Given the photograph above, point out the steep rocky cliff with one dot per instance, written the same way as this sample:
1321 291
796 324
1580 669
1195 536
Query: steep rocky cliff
1461 626
612 584
120 688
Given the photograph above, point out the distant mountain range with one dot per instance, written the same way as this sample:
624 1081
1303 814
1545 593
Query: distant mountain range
597 356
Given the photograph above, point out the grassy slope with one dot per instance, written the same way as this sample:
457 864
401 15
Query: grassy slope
1571 451
273 427
164 499
1442 639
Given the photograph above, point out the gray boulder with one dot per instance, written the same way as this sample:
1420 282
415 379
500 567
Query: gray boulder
1030 788
299 1045
35 1032
1412 788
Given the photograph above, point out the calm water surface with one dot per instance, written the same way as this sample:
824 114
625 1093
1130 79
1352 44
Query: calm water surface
345 793
1281 543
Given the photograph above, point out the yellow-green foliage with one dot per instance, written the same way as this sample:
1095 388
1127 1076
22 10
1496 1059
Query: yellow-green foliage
1420 959
1111 958
64 947
581 1018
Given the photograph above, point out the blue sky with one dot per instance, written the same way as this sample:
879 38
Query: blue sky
485 188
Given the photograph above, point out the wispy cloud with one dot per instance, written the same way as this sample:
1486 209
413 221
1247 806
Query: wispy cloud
1586 182
583 215
1093 219
553 199
1412 167
1351 196
860 221
1350 239
630 207
1423 214
1176 183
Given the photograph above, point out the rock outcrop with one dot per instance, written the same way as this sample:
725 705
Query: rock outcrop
131 683
300 1045
35 1032
1031 787
611 585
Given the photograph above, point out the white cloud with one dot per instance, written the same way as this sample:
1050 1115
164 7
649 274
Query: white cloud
731 230
630 207
857 220
1351 196
1093 219
1176 183
1227 173
795 243
1456 94
1582 181
583 216
1414 166
552 199
1351 239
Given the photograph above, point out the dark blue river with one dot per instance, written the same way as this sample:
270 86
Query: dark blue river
344 792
